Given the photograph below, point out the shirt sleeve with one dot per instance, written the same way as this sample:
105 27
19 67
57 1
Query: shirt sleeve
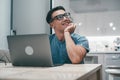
81 40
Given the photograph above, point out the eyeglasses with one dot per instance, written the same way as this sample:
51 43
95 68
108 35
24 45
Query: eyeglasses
61 16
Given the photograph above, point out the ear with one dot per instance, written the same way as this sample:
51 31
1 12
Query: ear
51 25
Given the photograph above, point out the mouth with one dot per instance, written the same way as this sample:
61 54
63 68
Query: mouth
66 23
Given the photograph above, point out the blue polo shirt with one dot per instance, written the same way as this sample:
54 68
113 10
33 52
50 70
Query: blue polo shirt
58 48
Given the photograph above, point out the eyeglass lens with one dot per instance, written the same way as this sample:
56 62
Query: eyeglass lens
61 16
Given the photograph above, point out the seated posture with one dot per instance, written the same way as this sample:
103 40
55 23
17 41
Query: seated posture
66 46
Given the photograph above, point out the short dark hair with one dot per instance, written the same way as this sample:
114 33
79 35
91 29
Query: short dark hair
49 15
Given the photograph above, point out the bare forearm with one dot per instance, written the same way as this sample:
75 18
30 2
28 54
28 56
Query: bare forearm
75 52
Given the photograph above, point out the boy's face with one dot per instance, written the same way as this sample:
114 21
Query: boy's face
61 20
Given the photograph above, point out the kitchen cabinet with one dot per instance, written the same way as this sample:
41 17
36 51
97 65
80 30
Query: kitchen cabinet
111 59
95 58
106 59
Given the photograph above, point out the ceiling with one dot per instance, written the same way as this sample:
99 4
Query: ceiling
83 6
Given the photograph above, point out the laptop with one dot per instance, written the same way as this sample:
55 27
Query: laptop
30 50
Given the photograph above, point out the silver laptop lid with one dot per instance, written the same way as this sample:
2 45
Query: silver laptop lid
30 50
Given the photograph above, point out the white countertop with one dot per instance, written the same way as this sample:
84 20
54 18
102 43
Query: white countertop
104 52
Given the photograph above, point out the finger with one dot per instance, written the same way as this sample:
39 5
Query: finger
74 26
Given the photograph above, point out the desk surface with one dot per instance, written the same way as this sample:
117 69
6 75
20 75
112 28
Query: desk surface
64 72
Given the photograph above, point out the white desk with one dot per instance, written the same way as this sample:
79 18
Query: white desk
64 72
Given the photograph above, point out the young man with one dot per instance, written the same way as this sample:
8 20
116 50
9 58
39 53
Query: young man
66 46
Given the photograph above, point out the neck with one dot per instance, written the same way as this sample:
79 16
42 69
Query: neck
60 36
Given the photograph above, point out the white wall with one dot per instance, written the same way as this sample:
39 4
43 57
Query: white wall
4 22
64 3
102 20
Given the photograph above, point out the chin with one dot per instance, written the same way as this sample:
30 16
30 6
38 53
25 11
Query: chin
65 26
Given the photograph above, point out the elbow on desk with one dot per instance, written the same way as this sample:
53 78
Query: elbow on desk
76 60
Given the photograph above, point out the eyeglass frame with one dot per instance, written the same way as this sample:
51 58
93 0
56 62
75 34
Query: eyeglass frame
61 16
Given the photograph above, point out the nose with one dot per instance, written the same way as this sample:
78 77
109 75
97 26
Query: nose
67 18
64 17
